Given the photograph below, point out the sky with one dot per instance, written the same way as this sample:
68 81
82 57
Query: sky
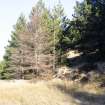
10 10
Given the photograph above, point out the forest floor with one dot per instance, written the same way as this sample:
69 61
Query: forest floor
54 92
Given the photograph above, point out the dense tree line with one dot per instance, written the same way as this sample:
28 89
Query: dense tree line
88 29
32 48
39 45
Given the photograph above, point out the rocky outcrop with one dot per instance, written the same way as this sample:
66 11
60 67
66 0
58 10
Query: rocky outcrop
101 67
71 74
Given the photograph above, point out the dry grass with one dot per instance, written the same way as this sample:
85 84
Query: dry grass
55 92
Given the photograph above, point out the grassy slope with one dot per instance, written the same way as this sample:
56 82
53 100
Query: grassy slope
55 92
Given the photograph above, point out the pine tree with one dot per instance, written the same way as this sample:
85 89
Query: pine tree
35 47
89 29
57 14
12 55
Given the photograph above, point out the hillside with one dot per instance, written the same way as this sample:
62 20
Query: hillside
55 92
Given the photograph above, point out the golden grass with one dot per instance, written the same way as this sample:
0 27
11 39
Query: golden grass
31 94
55 92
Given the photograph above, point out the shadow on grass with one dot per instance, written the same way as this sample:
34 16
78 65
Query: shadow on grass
89 99
83 98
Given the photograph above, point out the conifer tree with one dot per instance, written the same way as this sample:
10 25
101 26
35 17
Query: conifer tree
88 29
12 55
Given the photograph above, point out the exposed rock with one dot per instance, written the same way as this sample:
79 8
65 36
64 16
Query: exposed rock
102 85
84 78
75 77
67 73
93 75
73 53
63 72
101 66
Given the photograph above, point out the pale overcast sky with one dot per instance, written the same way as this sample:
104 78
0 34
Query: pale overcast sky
10 11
